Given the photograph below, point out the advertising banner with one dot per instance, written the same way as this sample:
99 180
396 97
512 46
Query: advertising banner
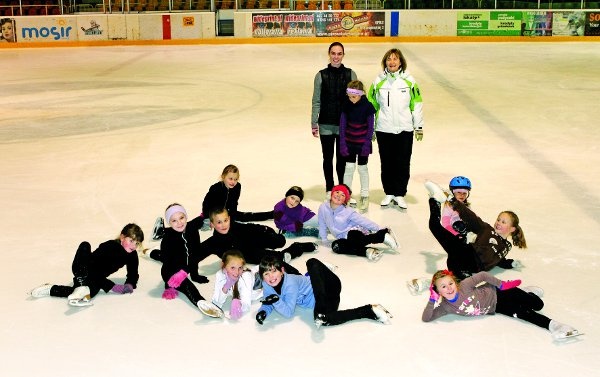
319 24
92 27
592 23
536 23
47 29
354 24
568 23
488 23
283 25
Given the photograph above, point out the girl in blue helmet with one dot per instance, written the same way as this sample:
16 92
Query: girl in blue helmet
472 245
465 237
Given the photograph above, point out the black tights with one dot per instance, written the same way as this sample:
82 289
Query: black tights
356 242
523 305
329 144
327 288
461 256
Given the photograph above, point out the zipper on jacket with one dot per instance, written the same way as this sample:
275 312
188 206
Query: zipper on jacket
388 99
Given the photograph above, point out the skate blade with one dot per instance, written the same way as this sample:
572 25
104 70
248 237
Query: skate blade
214 313
568 335
413 287
80 303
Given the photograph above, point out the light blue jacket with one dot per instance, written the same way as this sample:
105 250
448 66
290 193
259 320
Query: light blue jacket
296 291
341 220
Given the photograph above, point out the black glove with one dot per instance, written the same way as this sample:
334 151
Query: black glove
261 316
506 263
277 215
298 225
460 227
200 279
270 299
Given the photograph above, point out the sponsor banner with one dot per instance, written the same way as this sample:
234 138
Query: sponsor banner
91 28
319 24
47 29
568 23
536 23
488 23
592 23
9 30
283 25
472 23
355 24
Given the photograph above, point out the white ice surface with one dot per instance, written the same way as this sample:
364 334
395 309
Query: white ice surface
94 138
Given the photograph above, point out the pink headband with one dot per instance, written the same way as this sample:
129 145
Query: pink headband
356 92
173 210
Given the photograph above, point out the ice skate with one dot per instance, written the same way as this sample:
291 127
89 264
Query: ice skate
210 309
535 290
321 320
352 202
418 285
159 229
41 291
436 192
561 331
363 205
382 314
387 200
390 240
80 296
374 254
400 202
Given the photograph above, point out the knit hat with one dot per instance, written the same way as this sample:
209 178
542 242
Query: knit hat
173 210
344 189
295 190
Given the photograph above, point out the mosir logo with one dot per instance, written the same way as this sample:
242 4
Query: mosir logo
54 32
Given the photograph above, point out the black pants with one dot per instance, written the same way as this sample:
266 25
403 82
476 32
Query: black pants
329 144
81 274
356 242
327 288
395 151
523 305
461 256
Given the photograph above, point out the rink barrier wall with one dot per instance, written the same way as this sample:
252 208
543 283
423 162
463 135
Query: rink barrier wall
99 29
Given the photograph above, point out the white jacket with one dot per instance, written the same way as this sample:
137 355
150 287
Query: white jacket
397 98
245 287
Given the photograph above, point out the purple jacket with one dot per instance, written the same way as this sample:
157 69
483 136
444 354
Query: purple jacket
288 219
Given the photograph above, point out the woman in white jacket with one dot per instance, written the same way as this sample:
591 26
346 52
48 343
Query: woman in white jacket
234 280
397 99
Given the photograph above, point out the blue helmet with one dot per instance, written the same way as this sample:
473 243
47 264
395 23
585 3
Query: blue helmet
460 182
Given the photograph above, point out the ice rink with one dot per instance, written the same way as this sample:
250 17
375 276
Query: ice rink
93 138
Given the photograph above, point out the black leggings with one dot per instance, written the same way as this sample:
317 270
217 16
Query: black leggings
329 144
523 305
461 256
81 274
327 288
356 242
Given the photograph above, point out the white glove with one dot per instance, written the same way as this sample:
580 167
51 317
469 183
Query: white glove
471 237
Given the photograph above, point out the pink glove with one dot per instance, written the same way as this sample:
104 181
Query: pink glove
510 284
236 309
433 295
177 278
170 293
228 283
120 288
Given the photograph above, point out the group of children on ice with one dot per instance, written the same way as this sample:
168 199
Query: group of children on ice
465 288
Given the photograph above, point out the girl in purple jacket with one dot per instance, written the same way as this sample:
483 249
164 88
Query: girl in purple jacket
292 218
